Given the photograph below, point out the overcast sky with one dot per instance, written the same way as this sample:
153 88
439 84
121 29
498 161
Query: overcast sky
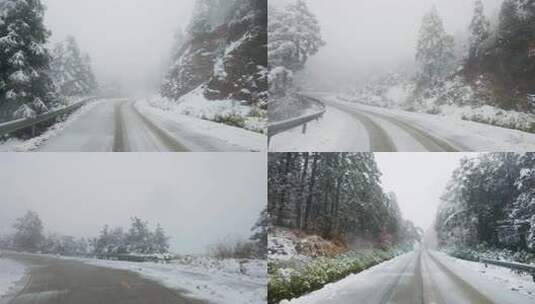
418 179
128 40
369 35
199 198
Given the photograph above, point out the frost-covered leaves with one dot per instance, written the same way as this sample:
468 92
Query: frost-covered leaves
25 88
71 71
490 200
225 53
435 50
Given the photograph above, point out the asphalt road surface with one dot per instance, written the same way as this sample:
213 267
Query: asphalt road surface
419 277
116 125
59 281
381 128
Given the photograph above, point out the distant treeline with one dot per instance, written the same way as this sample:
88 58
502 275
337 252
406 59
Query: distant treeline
139 239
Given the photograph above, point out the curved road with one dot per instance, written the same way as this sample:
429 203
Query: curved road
58 281
381 138
419 277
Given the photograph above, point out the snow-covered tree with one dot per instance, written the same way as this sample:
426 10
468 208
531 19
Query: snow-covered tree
28 232
294 35
479 30
337 195
160 241
260 233
490 200
139 237
71 70
25 86
435 50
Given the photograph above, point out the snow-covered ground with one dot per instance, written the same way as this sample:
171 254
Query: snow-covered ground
10 273
196 105
353 127
32 144
521 282
97 126
429 276
217 281
228 137
321 139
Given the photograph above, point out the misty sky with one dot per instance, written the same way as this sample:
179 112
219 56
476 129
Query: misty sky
418 179
199 198
376 35
128 40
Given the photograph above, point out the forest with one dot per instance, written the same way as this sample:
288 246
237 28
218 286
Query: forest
35 78
335 195
490 204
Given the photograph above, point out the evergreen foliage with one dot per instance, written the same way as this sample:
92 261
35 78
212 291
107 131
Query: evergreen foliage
25 87
490 200
336 195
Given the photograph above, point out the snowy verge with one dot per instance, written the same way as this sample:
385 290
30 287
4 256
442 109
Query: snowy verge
473 136
217 281
452 98
518 282
229 112
32 144
335 131
218 136
300 264
10 273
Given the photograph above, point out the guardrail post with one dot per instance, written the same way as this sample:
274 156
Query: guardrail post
33 131
304 128
533 276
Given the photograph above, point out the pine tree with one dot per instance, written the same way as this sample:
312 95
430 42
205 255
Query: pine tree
71 71
24 61
260 233
294 35
435 50
160 240
479 30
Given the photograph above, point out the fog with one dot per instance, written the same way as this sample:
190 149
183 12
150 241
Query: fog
129 40
365 37
198 198
419 180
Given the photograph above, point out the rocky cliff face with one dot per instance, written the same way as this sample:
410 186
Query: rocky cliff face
229 61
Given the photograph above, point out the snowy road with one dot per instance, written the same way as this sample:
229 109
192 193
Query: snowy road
385 130
353 127
58 281
419 277
120 126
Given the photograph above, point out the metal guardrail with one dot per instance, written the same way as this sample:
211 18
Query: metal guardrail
511 265
26 123
285 125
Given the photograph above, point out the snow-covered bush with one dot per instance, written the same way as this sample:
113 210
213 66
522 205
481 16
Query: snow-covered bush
288 283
